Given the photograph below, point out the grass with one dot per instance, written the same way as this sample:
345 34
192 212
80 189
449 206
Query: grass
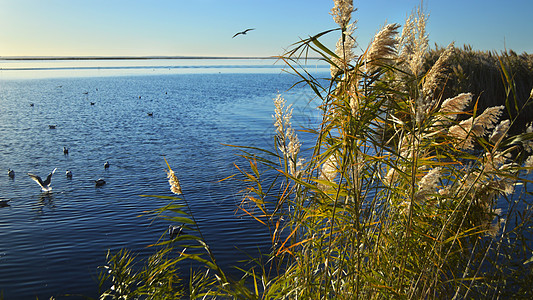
416 187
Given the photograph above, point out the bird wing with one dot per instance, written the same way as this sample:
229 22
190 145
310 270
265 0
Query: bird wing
49 178
37 179
243 32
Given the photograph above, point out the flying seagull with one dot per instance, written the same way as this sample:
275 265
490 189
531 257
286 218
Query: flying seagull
243 32
45 185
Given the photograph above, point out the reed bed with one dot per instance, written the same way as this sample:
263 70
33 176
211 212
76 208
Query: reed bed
414 188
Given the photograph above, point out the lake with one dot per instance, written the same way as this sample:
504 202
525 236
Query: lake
52 244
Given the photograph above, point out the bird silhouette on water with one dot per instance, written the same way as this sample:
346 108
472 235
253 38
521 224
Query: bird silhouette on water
99 182
45 185
243 32
65 150
10 173
68 173
106 165
175 231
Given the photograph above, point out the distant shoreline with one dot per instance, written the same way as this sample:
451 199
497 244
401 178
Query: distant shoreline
127 57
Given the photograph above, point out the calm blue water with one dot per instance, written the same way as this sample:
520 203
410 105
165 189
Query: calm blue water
51 245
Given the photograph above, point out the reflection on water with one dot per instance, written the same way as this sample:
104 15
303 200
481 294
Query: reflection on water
45 202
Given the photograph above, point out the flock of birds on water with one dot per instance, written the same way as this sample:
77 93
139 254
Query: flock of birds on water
173 231
46 184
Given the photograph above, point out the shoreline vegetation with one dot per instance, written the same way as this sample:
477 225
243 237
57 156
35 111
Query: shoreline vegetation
411 189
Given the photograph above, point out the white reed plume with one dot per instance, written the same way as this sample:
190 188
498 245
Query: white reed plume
500 132
344 50
528 144
434 75
495 161
430 181
452 106
382 50
528 164
414 41
288 142
342 12
175 186
466 130
329 170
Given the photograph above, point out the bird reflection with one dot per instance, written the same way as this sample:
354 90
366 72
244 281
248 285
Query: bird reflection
45 201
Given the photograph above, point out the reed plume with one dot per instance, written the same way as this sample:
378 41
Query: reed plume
413 42
175 186
382 50
342 12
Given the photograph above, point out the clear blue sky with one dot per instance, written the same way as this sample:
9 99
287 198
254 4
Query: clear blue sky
205 27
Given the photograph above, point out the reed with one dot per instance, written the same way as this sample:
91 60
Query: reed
414 189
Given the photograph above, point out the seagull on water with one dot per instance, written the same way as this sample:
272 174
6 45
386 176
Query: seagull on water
68 173
99 182
11 173
45 185
174 231
243 32
65 150
4 203
106 165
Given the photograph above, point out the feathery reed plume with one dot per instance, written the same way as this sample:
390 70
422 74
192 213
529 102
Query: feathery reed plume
500 132
414 41
430 181
343 50
288 142
466 130
328 171
495 161
342 12
452 106
175 186
528 164
382 50
434 75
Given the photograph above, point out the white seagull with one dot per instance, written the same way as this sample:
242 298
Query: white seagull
45 185
175 231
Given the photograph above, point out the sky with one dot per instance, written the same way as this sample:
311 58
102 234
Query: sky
206 27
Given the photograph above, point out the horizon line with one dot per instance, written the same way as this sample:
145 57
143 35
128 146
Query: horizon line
134 57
